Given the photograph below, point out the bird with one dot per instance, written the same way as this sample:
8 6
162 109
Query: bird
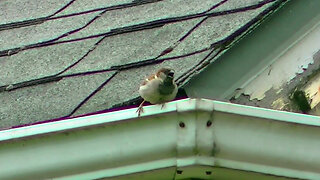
158 88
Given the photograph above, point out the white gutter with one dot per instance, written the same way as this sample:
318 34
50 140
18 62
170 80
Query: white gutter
191 138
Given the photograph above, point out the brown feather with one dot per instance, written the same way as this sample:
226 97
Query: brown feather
144 82
162 70
153 76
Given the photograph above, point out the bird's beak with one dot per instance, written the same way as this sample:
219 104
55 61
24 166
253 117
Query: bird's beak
170 74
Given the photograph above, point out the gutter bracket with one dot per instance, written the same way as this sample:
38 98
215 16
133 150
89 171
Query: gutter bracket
195 145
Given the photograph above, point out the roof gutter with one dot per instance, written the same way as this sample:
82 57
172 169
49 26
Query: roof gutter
191 138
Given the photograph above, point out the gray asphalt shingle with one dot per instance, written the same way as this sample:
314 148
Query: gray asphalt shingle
46 31
141 14
22 10
126 83
46 101
84 57
80 6
40 62
132 47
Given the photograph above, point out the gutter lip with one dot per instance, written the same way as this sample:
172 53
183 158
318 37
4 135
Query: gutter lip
185 105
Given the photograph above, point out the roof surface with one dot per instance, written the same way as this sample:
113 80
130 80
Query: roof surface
67 58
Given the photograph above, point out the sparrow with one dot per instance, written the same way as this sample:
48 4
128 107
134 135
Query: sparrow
158 88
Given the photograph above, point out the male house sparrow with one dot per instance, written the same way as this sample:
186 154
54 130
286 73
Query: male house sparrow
158 88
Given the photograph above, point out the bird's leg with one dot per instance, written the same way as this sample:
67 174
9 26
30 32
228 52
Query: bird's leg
140 108
162 105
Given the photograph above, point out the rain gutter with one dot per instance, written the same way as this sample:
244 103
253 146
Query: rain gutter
190 138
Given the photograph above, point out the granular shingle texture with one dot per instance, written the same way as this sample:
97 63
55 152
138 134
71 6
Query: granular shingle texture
66 58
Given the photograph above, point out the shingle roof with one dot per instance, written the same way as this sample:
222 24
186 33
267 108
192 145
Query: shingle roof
67 58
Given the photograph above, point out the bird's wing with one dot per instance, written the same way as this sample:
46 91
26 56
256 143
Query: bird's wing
151 77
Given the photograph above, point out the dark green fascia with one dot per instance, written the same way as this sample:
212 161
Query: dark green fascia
255 52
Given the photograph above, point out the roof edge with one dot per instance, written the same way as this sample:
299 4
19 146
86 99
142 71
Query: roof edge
181 106
184 134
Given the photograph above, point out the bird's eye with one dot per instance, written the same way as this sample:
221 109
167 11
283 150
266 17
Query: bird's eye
171 74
